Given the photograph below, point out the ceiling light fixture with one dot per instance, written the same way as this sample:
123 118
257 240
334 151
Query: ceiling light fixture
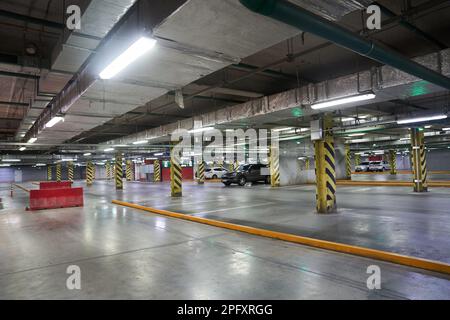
201 129
338 102
135 51
22 149
32 140
140 142
87 154
54 121
11 160
108 150
422 119
356 134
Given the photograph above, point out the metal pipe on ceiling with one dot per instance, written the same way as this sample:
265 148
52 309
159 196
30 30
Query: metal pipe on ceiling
306 21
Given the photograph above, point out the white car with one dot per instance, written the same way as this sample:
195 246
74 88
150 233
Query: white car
215 173
363 167
379 166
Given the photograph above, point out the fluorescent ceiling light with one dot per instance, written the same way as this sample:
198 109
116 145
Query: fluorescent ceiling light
356 134
201 129
87 154
32 140
135 51
347 119
427 127
68 160
158 154
108 149
11 160
140 142
40 164
151 158
405 139
54 121
446 129
5 165
282 129
422 119
342 101
22 149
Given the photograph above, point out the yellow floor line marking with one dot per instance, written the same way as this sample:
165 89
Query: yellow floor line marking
322 244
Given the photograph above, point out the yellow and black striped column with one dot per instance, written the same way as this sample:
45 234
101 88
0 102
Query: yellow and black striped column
393 161
89 174
201 172
274 166
307 164
156 171
325 169
176 176
119 172
58 172
129 172
348 163
108 170
231 166
49 173
357 159
70 171
419 161
236 165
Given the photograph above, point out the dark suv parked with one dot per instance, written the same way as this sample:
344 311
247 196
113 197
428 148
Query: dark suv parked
247 173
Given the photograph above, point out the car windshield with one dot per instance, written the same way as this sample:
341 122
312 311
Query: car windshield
364 163
376 162
243 167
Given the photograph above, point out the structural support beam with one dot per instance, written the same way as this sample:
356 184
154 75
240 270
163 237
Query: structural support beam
348 163
176 176
357 159
200 171
58 172
325 169
119 172
108 170
419 162
70 171
393 161
157 171
129 171
274 164
89 174
49 173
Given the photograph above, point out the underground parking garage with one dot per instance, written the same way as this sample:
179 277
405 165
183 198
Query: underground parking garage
233 150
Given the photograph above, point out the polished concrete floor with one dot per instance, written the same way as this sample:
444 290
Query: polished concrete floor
126 253
398 177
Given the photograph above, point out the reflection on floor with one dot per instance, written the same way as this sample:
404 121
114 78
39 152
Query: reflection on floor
126 253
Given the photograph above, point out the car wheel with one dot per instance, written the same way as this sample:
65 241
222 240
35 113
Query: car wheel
227 184
242 181
214 176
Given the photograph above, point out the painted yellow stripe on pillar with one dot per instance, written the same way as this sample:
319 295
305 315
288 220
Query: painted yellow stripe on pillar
317 243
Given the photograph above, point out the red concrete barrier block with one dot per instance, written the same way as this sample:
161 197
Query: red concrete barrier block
56 198
55 185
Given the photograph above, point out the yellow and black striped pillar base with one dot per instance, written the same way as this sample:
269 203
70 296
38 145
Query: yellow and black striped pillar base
419 161
49 173
176 176
274 166
236 165
58 172
118 172
201 172
357 159
348 163
70 171
156 171
393 161
129 172
89 174
231 167
325 170
108 170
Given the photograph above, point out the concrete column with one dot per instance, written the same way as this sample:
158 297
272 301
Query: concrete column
58 172
274 165
89 174
176 176
419 161
49 173
119 172
357 159
325 169
200 172
348 163
108 170
393 161
156 171
70 171
129 172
